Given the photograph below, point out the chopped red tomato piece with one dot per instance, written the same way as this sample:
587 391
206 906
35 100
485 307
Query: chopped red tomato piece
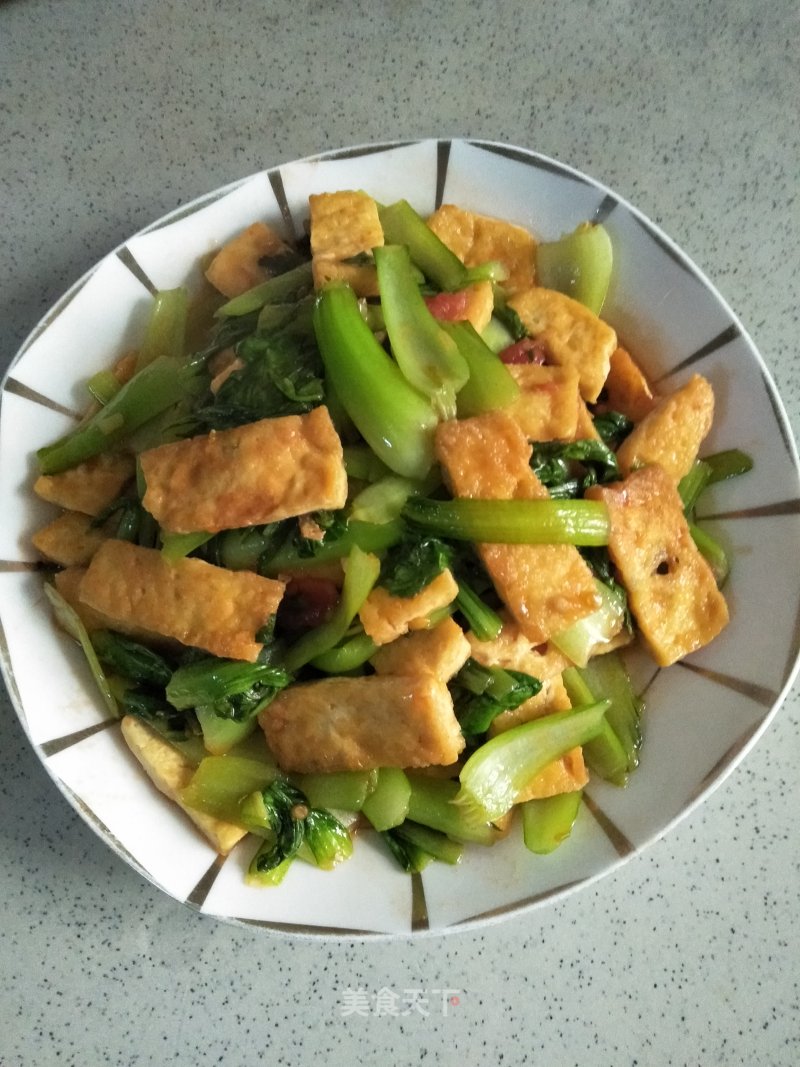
307 603
528 350
449 307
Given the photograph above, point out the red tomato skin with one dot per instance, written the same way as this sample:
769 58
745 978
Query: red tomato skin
449 307
528 350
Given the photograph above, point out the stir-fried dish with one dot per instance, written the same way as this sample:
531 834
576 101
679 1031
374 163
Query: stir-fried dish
355 538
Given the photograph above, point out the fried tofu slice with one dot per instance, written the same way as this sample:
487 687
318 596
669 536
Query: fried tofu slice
547 406
441 651
70 539
477 239
512 650
585 429
545 587
671 434
256 473
627 390
671 589
91 486
170 771
565 775
345 227
386 617
194 602
574 335
68 584
349 724
249 259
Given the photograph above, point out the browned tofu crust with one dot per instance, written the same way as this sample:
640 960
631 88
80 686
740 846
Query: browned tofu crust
386 617
477 239
672 432
545 587
441 651
547 405
170 771
565 775
575 336
91 486
252 474
671 589
348 724
70 539
627 390
238 265
189 600
344 227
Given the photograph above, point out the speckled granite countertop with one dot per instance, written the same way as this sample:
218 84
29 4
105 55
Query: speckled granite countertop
111 115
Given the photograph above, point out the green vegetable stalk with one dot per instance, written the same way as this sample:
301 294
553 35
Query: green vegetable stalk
427 356
497 772
394 419
520 522
490 385
403 226
578 265
159 386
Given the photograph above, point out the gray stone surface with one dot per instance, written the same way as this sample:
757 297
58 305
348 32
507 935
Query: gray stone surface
112 114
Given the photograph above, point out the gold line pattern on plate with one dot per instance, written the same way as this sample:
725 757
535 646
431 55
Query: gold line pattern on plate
604 208
724 760
363 150
59 744
725 337
780 419
763 511
530 159
25 391
302 928
419 907
15 566
622 844
127 259
442 161
197 897
761 694
517 905
279 192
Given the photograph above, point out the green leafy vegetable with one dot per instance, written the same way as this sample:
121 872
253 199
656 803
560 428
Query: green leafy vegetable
411 565
394 419
481 693
232 689
568 469
131 659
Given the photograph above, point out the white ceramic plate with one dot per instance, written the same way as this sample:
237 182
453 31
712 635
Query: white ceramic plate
702 716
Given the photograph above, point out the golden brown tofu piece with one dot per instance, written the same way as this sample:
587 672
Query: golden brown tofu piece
70 539
244 261
671 434
671 589
627 389
547 405
477 239
256 473
574 335
91 486
441 651
512 650
189 600
68 584
479 304
565 775
386 617
350 724
170 771
585 429
545 587
345 227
